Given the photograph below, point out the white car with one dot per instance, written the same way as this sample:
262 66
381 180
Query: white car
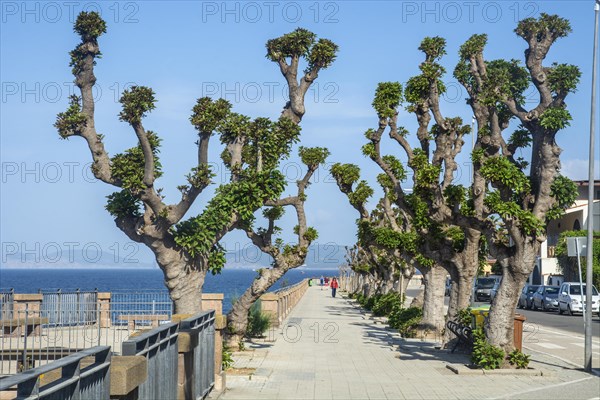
569 298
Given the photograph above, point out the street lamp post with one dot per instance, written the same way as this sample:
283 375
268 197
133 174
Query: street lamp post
590 223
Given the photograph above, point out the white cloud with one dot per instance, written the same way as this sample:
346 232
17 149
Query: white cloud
577 169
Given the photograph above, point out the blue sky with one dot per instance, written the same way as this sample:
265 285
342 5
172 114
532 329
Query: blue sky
189 49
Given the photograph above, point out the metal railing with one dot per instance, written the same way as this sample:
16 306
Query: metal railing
69 308
160 347
6 303
201 329
76 381
58 324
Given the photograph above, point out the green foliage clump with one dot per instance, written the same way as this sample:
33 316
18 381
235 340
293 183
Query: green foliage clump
322 55
520 138
563 78
345 174
485 355
396 166
302 43
258 322
89 25
434 47
200 176
499 170
420 210
369 302
136 101
519 359
208 115
555 118
311 234
226 358
72 121
360 194
123 204
369 150
274 213
128 167
464 316
473 46
509 210
296 43
240 198
387 98
547 26
386 303
505 79
405 320
456 196
313 156
564 192
426 174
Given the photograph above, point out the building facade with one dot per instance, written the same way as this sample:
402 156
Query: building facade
547 271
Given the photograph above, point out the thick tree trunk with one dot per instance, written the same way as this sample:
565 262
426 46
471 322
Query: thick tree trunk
433 300
462 270
237 318
500 325
184 277
460 293
185 289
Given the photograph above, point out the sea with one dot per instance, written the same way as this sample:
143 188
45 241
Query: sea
231 282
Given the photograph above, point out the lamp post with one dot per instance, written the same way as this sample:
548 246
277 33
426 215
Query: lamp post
590 223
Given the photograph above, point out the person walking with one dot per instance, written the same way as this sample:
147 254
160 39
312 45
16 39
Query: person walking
322 282
334 285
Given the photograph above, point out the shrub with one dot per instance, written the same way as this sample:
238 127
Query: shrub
370 302
385 304
464 316
405 319
518 359
227 357
258 322
485 355
360 298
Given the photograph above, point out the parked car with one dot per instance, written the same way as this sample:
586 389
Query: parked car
546 298
569 298
526 296
483 287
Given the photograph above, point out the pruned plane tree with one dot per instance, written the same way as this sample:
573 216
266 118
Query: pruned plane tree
187 247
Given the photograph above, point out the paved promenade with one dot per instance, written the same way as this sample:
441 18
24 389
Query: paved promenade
329 349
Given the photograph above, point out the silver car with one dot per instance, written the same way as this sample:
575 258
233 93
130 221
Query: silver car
546 298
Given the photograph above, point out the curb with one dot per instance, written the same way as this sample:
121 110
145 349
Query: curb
461 369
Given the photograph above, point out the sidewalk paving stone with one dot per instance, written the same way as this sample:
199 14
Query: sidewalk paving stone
330 349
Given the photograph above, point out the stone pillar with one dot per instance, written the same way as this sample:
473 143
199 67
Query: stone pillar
30 302
269 304
104 309
213 301
220 326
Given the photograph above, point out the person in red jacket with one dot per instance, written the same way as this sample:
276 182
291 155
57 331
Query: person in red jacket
334 285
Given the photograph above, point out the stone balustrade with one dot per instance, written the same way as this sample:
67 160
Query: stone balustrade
278 304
